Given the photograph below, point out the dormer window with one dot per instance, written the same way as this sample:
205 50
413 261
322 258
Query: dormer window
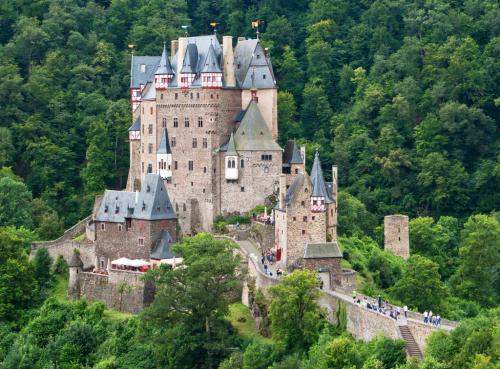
105 208
117 209
143 68
143 205
148 188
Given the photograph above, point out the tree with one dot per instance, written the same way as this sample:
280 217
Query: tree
477 277
290 74
287 116
42 263
15 203
191 302
354 218
295 314
420 285
18 286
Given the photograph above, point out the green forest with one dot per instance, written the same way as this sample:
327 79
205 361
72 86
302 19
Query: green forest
402 95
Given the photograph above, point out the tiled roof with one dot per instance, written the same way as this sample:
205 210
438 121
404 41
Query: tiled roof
136 126
163 247
141 78
164 147
318 181
211 64
164 67
291 155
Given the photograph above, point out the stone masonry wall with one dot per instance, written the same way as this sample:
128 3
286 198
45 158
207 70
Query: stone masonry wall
396 237
215 108
65 249
105 288
257 180
113 243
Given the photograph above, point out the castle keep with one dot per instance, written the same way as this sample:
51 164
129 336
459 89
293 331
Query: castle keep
205 120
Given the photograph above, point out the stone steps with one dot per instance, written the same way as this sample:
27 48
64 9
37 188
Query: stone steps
411 346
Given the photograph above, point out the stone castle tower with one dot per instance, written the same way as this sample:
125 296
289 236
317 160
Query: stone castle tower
205 120
396 237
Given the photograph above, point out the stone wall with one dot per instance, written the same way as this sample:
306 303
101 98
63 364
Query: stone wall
396 237
104 288
116 241
65 249
262 234
345 280
420 332
257 180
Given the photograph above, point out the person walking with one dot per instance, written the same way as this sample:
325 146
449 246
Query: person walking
398 312
379 302
430 317
438 321
354 295
265 268
405 310
426 316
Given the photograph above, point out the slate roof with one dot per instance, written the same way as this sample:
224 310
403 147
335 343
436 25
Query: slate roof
164 147
211 64
322 250
164 67
295 186
75 260
291 154
190 62
139 78
136 126
253 133
163 247
149 92
231 148
252 66
152 203
318 181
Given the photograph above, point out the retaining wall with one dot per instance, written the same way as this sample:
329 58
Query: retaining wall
136 295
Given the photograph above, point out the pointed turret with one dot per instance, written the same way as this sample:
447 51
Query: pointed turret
320 195
164 156
164 73
189 65
231 160
211 74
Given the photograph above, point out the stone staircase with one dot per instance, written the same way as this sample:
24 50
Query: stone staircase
411 346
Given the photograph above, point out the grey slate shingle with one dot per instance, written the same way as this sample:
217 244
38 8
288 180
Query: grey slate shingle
322 250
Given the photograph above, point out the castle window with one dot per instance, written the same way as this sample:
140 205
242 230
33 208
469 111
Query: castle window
140 241
263 76
266 157
150 129
186 121
242 163
143 128
151 110
205 142
303 203
197 95
306 190
190 165
143 110
331 211
258 56
176 122
304 219
102 263
142 148
150 148
174 141
143 68
120 227
313 218
176 207
142 165
231 163
399 238
150 168
242 189
204 169
303 231
176 166
211 96
128 223
192 184
266 169
203 190
164 122
195 143
191 96
176 95
296 171
161 96
103 227
200 122
184 207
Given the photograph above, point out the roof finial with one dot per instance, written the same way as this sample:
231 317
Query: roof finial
214 26
185 28
255 24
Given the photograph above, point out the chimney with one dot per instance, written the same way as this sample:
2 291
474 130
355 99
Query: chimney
282 191
335 182
227 52
180 57
174 46
303 154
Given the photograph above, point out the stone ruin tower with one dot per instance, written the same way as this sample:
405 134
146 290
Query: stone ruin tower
396 236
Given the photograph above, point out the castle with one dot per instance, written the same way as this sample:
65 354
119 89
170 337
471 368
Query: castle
205 120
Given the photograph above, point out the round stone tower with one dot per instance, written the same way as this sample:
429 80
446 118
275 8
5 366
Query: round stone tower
75 269
396 236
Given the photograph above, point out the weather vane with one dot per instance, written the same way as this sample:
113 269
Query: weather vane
214 26
255 24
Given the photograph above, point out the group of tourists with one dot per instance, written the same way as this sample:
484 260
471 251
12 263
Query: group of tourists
430 318
380 306
268 258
